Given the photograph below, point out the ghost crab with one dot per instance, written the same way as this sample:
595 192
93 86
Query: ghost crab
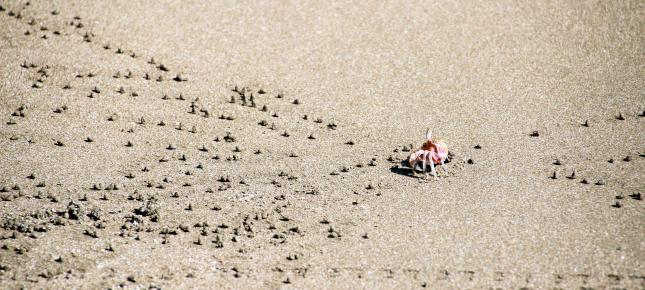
434 151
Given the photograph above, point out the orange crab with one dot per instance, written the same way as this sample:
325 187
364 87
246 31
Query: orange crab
434 151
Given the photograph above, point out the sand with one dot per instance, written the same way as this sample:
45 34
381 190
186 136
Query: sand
128 161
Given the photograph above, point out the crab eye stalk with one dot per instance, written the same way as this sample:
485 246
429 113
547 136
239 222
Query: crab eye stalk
429 134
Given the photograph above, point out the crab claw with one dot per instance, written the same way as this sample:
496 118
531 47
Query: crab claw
412 161
412 157
429 134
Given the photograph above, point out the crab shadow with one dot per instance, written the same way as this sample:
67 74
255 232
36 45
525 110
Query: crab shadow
405 171
404 168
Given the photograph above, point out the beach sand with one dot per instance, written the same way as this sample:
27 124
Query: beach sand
128 161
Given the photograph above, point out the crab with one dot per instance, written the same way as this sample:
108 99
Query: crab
434 151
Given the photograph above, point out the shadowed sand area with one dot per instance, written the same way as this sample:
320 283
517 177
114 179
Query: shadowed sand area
221 144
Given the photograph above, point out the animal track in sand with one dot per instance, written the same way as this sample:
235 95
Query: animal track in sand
597 178
253 98
164 194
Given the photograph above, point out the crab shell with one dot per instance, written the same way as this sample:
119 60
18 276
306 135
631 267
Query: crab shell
435 151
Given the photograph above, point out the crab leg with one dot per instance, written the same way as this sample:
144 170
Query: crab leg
434 173
414 165
423 161
412 161
443 165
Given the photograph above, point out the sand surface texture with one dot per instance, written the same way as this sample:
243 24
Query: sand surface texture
233 144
